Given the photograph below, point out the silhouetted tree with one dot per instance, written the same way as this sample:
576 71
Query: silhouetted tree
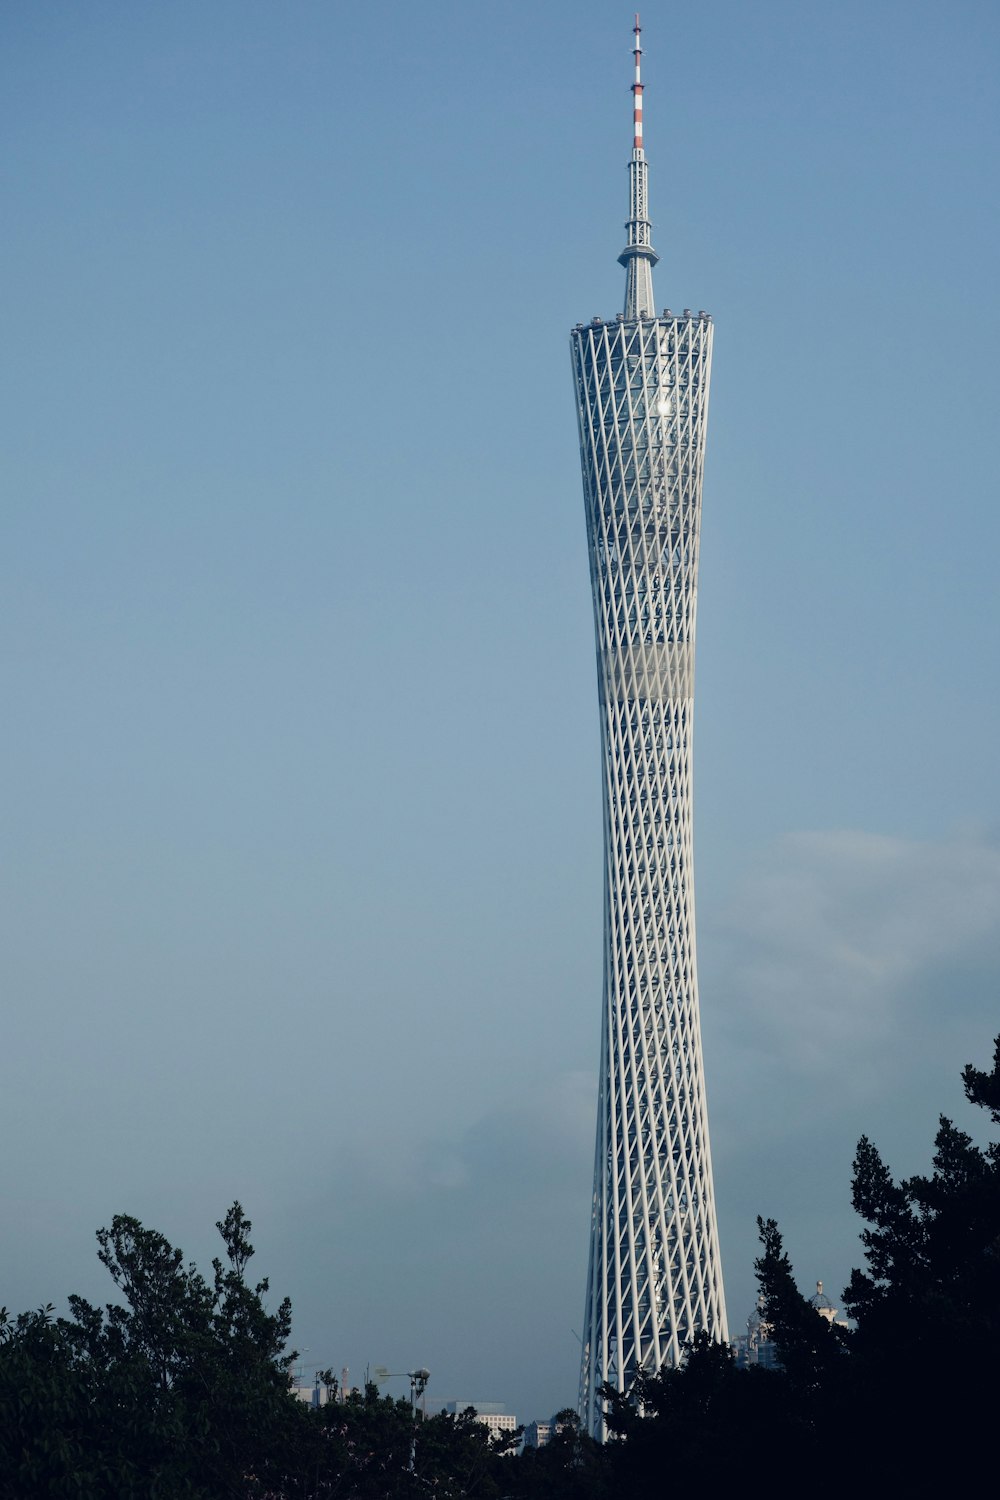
45 1414
924 1355
903 1401
571 1466
703 1421
181 1391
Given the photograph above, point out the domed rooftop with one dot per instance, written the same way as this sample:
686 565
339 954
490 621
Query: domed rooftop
821 1301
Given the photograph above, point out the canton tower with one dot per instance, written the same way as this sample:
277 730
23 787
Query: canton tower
654 1277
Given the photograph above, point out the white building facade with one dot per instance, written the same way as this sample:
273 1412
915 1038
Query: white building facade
491 1414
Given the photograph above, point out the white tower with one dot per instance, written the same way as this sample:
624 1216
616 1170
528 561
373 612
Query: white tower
642 398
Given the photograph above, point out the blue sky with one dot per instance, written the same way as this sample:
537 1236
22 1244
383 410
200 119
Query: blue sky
302 887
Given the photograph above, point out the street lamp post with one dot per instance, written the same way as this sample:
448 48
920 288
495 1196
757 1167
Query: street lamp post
418 1387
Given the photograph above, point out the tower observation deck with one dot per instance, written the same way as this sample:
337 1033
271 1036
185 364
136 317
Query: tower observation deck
642 382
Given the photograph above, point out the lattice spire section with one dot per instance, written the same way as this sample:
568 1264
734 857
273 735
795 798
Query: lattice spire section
654 1278
638 257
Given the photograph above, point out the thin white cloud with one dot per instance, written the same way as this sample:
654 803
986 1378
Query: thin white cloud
824 951
849 978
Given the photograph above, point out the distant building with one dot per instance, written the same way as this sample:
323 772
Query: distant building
822 1304
315 1395
540 1434
755 1346
490 1413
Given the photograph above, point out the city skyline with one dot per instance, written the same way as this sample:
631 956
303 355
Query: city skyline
302 896
642 384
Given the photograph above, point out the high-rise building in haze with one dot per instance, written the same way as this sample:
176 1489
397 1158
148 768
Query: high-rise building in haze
642 397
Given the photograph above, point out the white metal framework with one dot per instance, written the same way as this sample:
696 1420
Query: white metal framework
642 397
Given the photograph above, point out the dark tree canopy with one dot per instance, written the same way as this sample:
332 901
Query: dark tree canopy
903 1401
180 1389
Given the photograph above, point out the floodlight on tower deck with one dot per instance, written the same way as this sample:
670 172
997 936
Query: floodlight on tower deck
638 257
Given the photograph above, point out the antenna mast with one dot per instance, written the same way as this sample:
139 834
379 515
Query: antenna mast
638 257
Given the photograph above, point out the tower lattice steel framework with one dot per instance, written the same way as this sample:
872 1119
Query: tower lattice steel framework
654 1277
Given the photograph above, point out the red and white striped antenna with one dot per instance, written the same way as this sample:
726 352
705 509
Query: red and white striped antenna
637 86
638 257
